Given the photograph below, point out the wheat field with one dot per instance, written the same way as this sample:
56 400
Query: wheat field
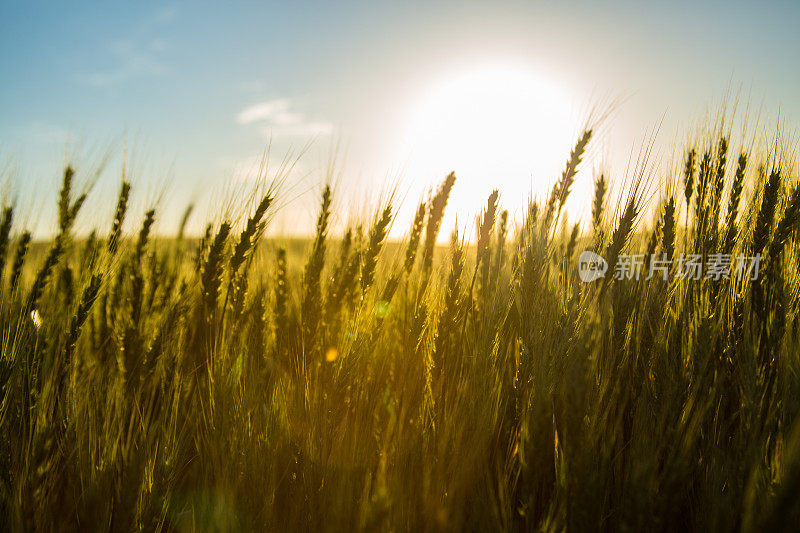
238 382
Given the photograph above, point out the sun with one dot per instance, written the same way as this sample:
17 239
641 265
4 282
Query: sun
497 126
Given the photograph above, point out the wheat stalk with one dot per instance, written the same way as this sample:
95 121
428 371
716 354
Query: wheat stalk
119 217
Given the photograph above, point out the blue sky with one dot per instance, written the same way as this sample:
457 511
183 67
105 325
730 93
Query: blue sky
197 90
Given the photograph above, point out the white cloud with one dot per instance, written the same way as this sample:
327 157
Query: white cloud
132 61
157 45
256 166
136 55
166 14
263 111
305 129
255 86
277 119
44 133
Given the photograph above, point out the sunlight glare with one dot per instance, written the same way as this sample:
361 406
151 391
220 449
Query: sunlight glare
501 127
